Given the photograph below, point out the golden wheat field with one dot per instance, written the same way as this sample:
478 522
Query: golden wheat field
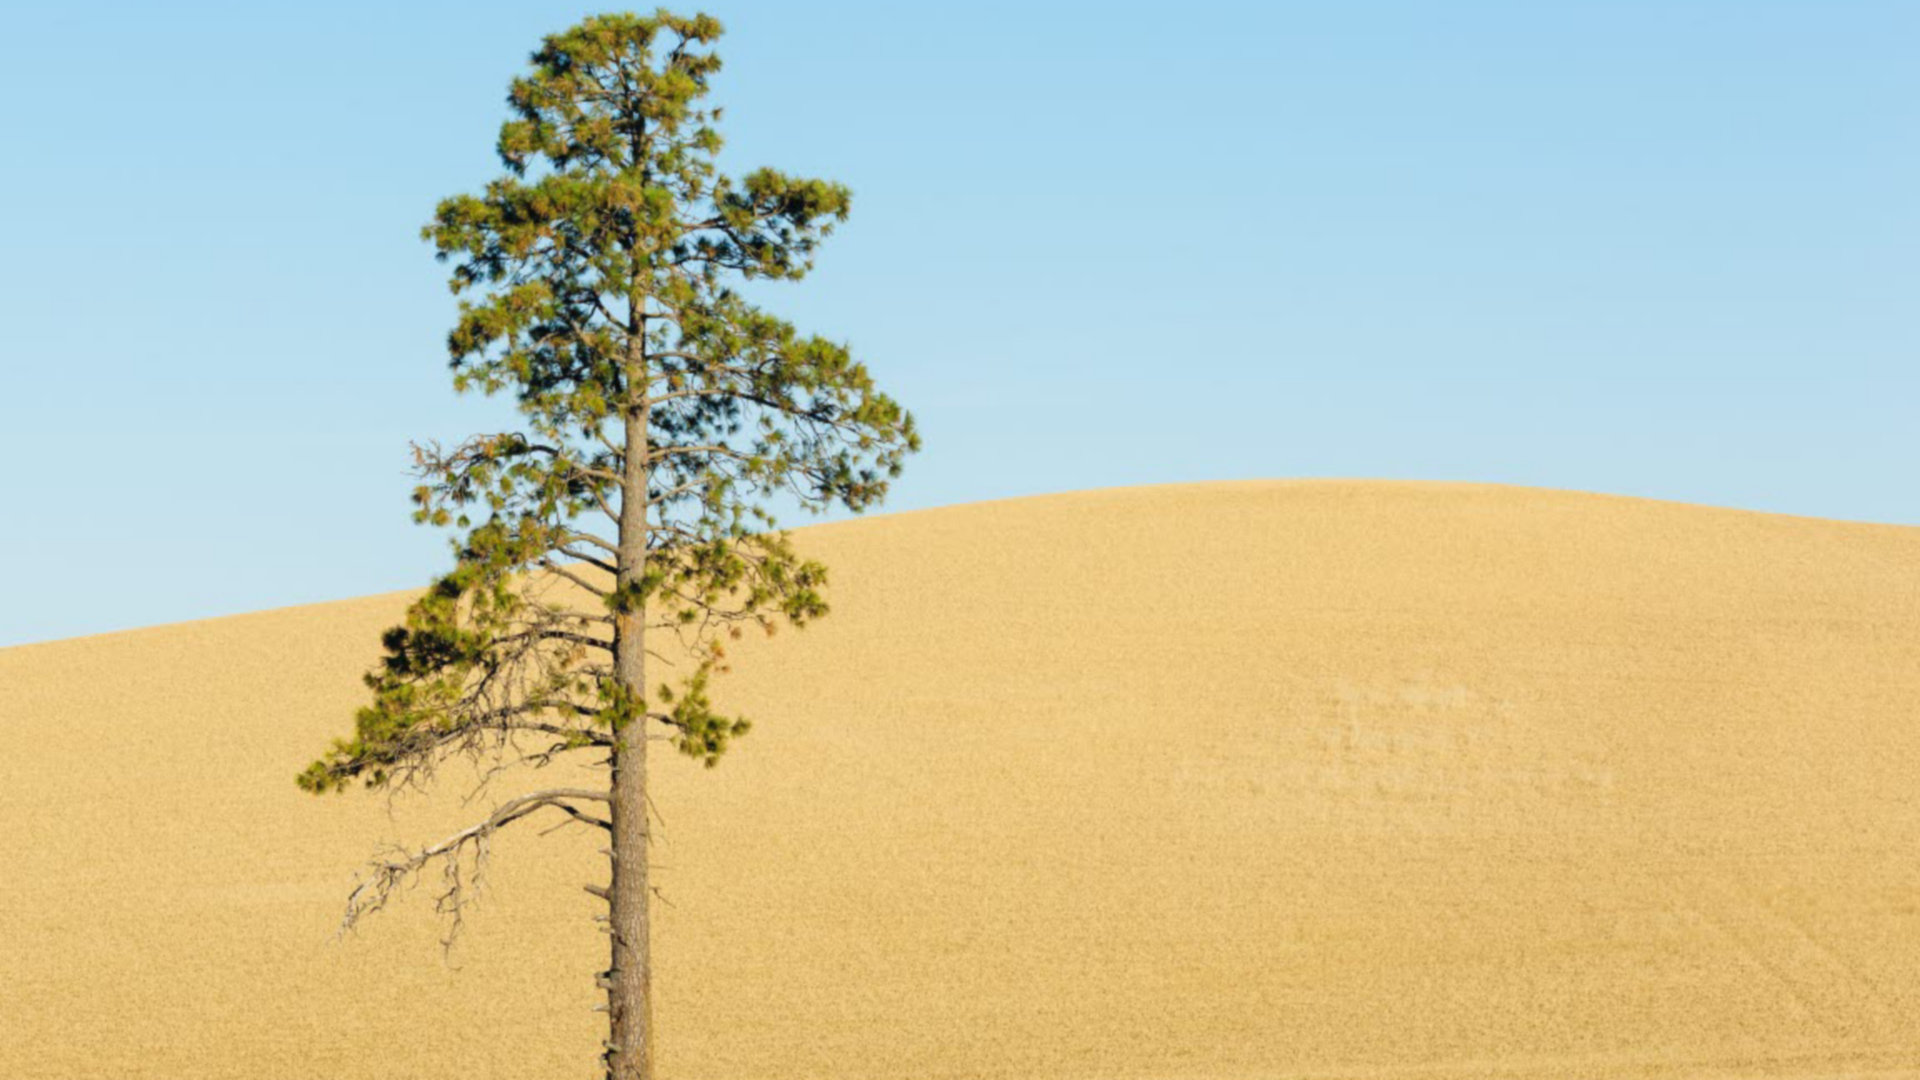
1239 781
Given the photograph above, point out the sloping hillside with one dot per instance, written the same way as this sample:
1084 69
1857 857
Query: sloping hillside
1222 782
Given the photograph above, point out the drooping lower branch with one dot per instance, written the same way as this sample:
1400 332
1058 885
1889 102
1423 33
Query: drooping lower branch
469 845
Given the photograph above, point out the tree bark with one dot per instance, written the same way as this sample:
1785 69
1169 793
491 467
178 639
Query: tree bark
630 980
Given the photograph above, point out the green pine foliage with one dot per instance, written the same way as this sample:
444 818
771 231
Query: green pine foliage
661 409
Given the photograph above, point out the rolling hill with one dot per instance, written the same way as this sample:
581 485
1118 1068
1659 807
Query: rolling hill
1240 781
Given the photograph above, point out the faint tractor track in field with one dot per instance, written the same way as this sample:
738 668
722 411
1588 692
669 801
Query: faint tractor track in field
1828 988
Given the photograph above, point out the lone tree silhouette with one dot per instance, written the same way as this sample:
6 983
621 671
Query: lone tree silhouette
595 275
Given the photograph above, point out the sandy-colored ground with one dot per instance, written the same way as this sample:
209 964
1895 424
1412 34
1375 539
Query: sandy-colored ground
1225 782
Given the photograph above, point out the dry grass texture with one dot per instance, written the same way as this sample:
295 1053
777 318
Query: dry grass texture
1234 781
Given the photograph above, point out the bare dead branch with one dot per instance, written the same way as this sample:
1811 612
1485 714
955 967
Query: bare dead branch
462 857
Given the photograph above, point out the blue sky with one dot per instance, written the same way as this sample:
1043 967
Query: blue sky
1663 248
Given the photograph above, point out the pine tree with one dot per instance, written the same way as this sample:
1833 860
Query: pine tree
661 411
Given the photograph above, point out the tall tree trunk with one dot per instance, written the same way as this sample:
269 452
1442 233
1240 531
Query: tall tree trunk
630 980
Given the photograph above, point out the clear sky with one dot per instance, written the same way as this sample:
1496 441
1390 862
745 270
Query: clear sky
1667 248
